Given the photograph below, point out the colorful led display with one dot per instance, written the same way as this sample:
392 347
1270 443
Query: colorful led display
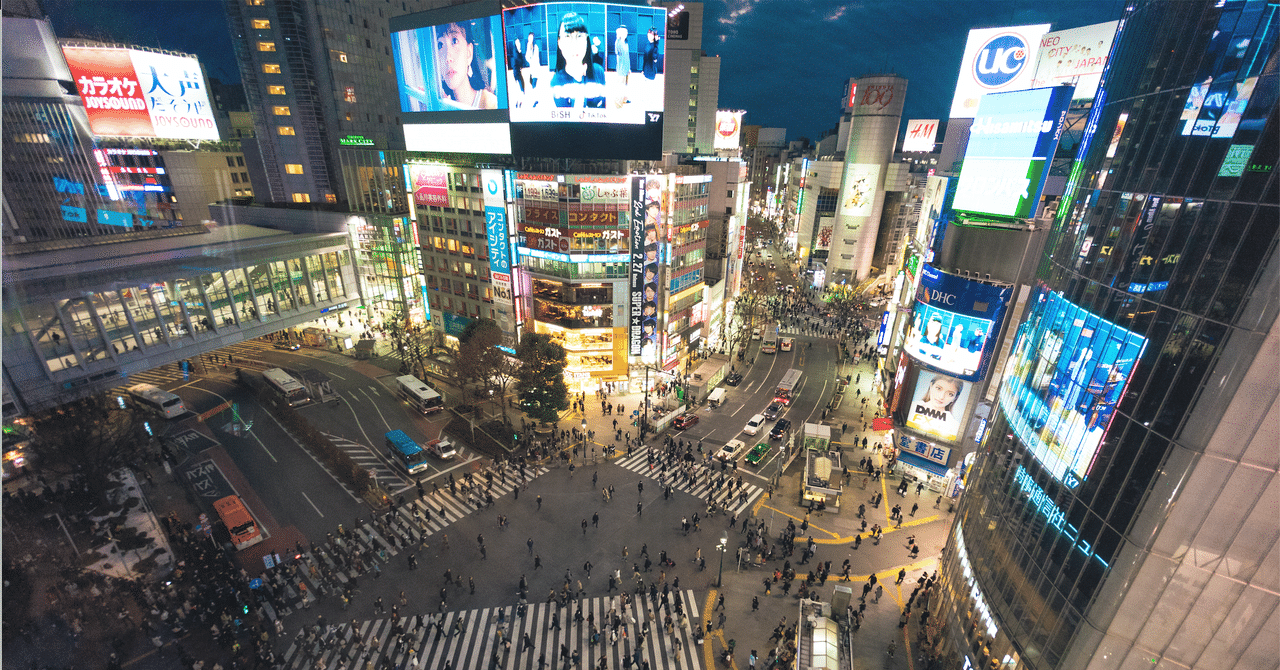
455 66
1068 369
937 405
955 323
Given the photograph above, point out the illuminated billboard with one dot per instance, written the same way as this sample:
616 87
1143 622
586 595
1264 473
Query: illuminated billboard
495 226
455 66
1076 56
1068 369
995 59
586 79
728 129
955 323
859 189
646 232
129 93
937 405
429 184
1011 141
1239 50
921 135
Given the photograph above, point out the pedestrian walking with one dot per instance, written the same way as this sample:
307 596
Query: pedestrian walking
902 574
879 592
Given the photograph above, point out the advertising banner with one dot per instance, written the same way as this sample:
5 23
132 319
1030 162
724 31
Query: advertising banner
430 184
859 189
1068 369
496 233
129 93
826 225
921 135
954 323
937 405
995 59
1076 56
1011 141
561 70
728 129
455 66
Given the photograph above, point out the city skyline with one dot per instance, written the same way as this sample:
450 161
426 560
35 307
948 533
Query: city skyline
767 88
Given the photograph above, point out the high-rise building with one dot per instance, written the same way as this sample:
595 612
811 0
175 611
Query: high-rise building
873 111
1121 512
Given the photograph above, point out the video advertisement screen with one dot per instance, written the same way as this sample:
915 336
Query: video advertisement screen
585 79
937 405
1068 370
1012 138
955 323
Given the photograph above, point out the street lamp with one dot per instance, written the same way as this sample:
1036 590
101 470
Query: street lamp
724 544
584 437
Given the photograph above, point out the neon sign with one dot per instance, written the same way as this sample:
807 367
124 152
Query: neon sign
1054 514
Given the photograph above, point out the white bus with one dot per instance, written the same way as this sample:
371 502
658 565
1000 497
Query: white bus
157 400
769 345
289 388
787 387
422 397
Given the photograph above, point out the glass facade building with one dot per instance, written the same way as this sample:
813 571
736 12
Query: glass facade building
1122 510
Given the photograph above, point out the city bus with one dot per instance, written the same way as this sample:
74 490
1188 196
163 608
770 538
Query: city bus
422 397
157 400
239 522
405 452
769 343
289 388
787 387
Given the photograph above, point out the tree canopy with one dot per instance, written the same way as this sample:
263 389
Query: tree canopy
540 379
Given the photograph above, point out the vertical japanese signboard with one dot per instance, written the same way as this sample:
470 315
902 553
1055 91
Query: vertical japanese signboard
495 226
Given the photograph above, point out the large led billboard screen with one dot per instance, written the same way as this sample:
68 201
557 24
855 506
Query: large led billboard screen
454 66
995 59
1068 369
955 323
586 79
1011 141
1229 94
937 405
129 93
1076 56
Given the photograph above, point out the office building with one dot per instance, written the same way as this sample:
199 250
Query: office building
1121 511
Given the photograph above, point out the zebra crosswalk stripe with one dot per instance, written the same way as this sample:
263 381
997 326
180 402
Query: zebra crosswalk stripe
638 463
426 646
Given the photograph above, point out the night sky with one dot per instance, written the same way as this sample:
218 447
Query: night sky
784 61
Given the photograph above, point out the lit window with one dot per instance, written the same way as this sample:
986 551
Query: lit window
275 90
285 130
255 3
302 197
330 197
261 24
293 168
340 56
280 110
271 68
266 46
349 94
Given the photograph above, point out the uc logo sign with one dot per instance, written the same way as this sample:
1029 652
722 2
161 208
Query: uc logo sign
1000 60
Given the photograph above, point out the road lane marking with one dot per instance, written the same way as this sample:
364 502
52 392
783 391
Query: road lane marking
313 505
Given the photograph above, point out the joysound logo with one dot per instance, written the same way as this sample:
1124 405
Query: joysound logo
1000 60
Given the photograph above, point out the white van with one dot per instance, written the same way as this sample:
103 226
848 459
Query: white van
753 426
716 397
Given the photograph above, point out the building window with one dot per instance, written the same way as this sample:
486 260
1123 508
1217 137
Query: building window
255 3
293 168
330 197
285 130
349 94
266 46
281 110
302 197
239 161
275 90
271 68
261 24
244 177
231 161
235 178
340 56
